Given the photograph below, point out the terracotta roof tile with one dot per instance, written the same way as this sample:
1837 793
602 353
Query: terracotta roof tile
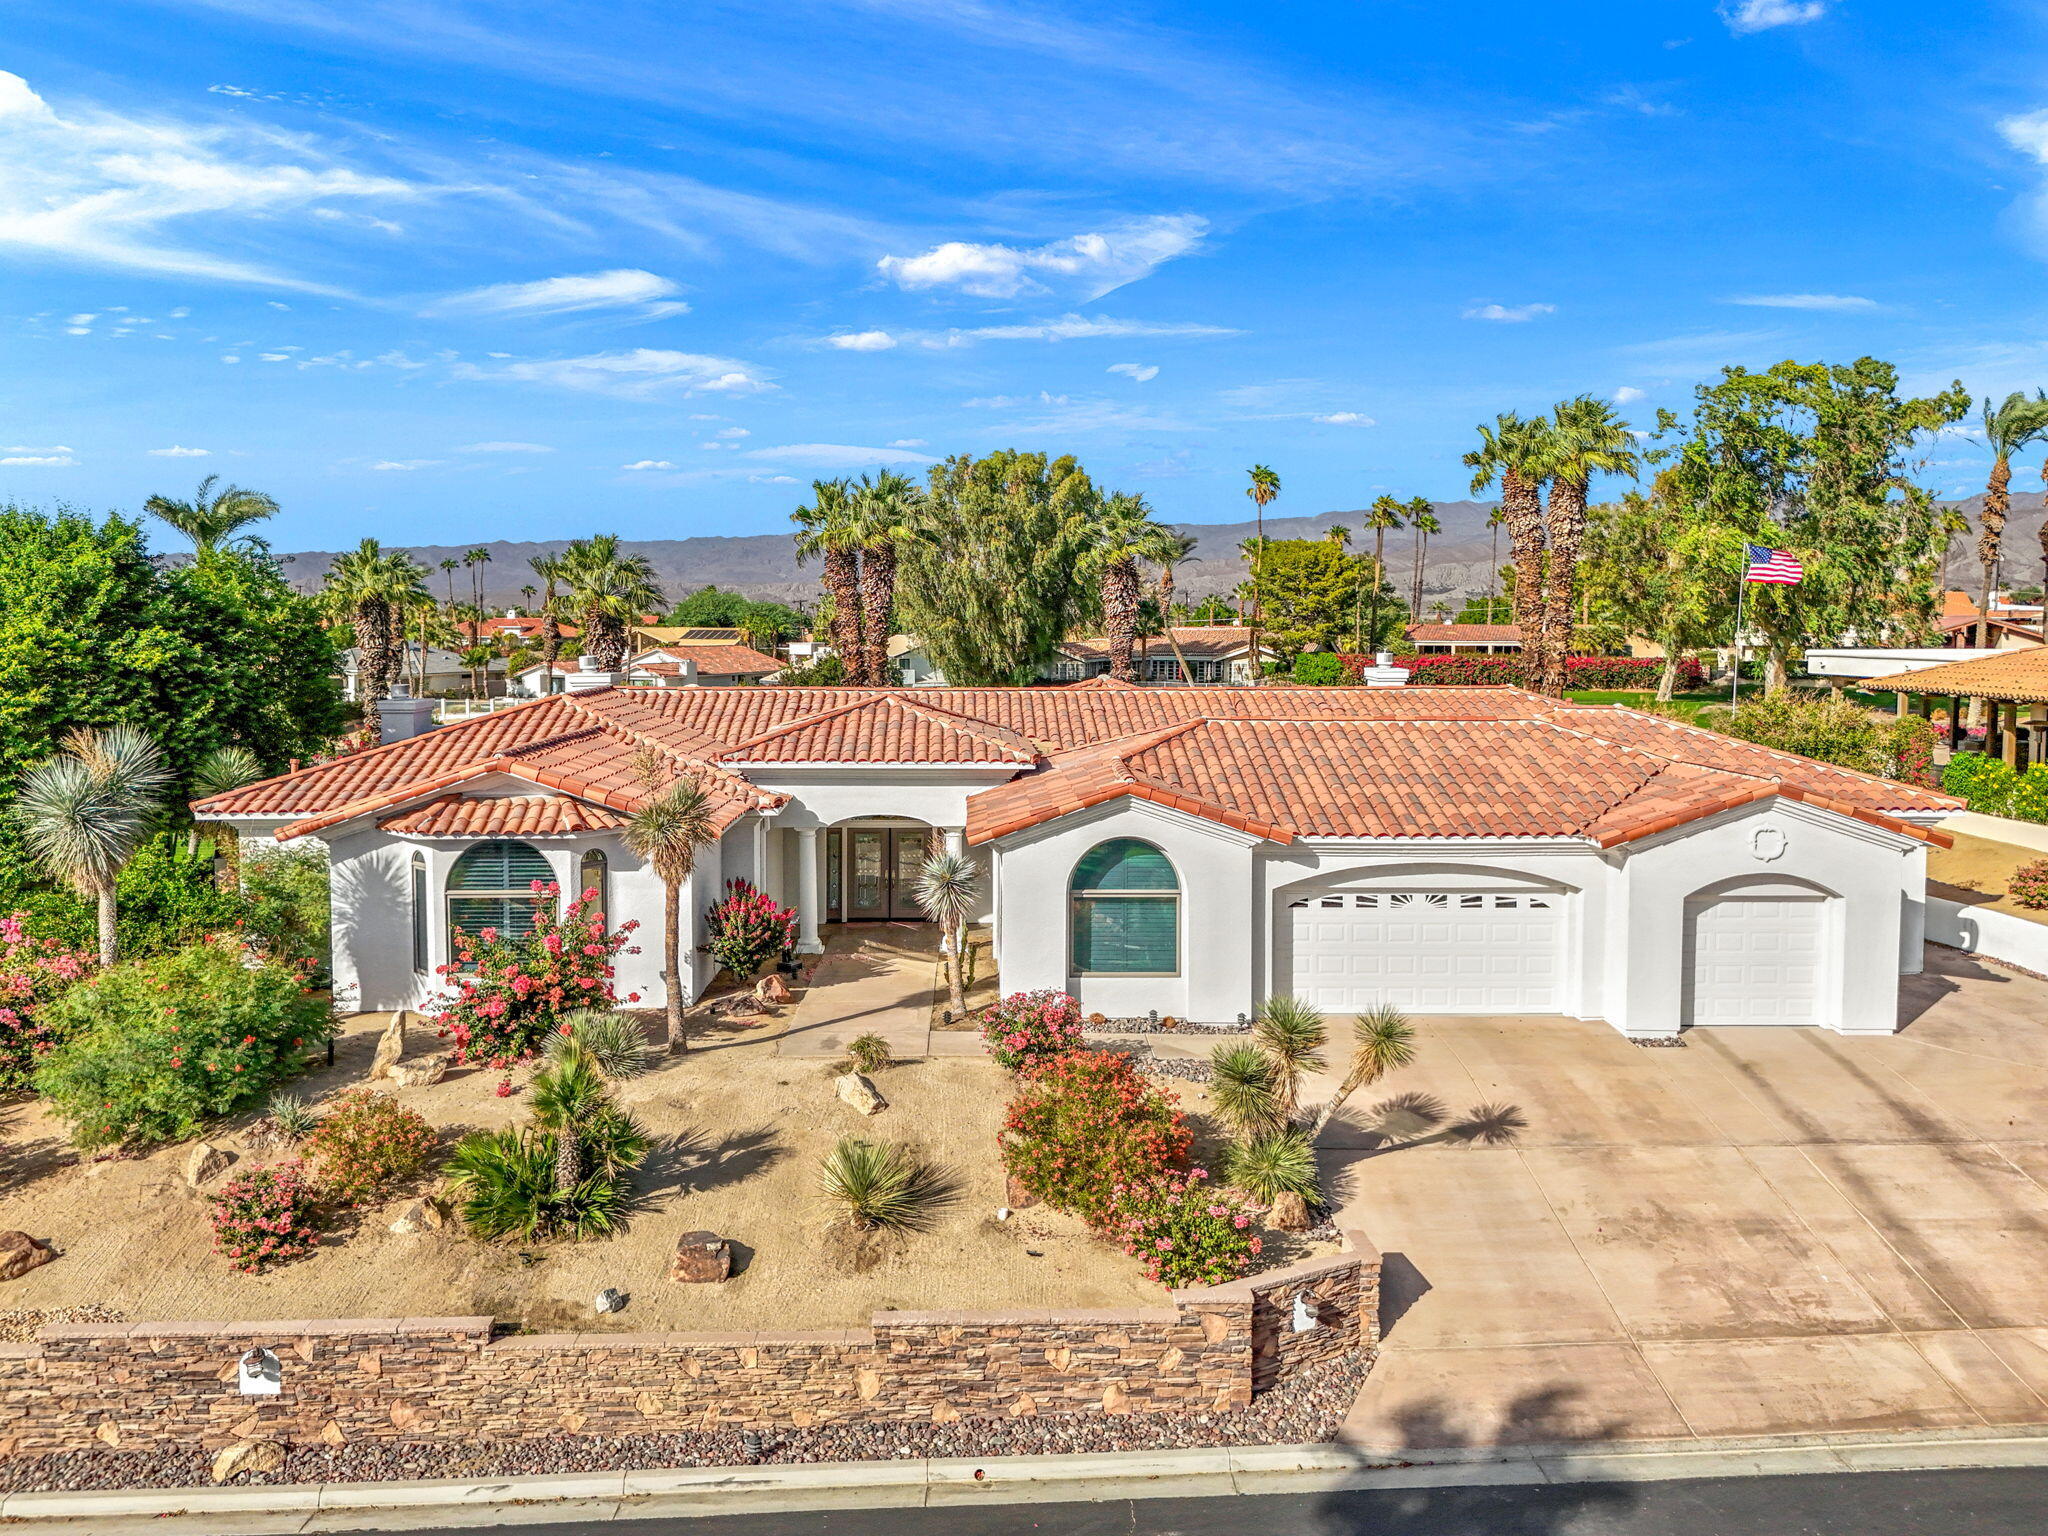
503 816
2020 675
1465 634
715 661
887 728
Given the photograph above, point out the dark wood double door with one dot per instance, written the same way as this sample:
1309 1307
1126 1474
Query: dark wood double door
874 872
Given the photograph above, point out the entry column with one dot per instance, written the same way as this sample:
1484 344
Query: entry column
807 899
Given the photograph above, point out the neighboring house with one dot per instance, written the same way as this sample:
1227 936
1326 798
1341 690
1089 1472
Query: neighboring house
445 672
645 637
1959 632
912 666
1190 851
1445 639
711 666
520 626
1215 653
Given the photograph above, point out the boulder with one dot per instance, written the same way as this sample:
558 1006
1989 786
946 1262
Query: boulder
20 1253
1015 1195
1289 1214
858 1093
419 1216
773 989
390 1046
418 1074
701 1258
205 1161
247 1456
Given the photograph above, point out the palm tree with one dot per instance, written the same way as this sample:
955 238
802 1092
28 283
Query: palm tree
1122 535
476 560
883 513
221 770
1293 1034
945 890
1383 517
1264 490
1422 518
609 590
1494 519
1175 549
1585 438
2008 427
526 595
83 812
477 660
1510 453
211 516
675 824
566 1095
1382 1040
449 568
826 528
549 569
371 590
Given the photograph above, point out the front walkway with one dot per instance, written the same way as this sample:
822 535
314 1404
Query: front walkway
874 978
1767 1232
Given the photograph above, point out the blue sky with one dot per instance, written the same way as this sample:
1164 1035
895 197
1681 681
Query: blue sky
437 271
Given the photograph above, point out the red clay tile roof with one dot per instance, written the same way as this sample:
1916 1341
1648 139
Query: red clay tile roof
1205 642
1465 634
889 728
504 816
714 661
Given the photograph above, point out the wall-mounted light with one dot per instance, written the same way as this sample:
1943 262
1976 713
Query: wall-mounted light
1304 1315
261 1373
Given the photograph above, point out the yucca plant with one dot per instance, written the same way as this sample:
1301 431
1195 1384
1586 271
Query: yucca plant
1293 1034
1243 1086
1382 1040
83 813
291 1118
880 1184
1282 1163
505 1183
614 1041
946 889
868 1053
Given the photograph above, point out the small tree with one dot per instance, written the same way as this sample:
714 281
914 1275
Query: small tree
1382 1040
83 813
945 890
674 825
1292 1034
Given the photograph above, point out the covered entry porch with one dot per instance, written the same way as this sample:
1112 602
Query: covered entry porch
2012 687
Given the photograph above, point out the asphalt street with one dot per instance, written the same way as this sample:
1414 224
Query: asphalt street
1997 1502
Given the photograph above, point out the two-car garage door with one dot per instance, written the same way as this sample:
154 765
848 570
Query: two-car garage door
1429 951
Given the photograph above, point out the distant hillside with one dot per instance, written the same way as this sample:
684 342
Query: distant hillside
764 565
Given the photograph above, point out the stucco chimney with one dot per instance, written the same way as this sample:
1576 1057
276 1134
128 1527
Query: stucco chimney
1383 673
587 676
402 717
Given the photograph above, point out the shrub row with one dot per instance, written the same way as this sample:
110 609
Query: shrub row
1507 670
1991 786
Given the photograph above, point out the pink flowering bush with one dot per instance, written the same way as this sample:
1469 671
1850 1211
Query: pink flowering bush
1183 1231
266 1216
510 993
749 930
33 974
1028 1025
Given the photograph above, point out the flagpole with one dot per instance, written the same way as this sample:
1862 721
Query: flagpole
1741 592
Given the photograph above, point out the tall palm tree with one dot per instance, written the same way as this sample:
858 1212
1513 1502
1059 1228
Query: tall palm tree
678 821
372 590
608 591
1422 518
476 560
448 569
1383 517
1494 520
1175 550
83 813
945 890
826 528
1123 534
1585 438
1264 490
1510 454
526 595
883 512
2008 427
211 516
549 569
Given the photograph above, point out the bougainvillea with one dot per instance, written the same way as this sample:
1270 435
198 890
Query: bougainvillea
1478 668
510 991
749 930
1085 1123
33 973
266 1216
1183 1231
367 1143
1028 1025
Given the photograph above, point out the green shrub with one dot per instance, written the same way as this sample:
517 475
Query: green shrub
868 1053
266 1216
286 896
167 897
2029 884
1087 1126
1320 669
880 1184
1283 1163
2027 797
1183 1232
505 1187
154 1048
1837 730
1985 782
1244 1087
367 1143
511 993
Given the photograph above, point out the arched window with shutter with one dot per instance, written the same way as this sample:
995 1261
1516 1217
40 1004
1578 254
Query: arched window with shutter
491 886
1125 901
594 873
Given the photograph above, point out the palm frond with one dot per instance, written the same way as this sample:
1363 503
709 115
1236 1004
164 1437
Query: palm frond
223 769
615 1042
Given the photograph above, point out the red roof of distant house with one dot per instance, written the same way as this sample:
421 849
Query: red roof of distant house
1197 642
714 661
1465 634
521 626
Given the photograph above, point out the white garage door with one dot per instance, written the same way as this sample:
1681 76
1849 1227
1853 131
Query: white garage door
1429 951
1754 960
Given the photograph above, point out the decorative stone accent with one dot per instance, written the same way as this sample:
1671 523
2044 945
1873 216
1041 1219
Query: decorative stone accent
421 1073
773 989
858 1093
390 1046
702 1258
20 1253
247 1456
1289 1213
1015 1195
204 1162
419 1216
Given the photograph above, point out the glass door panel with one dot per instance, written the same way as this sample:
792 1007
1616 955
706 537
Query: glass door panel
907 856
867 899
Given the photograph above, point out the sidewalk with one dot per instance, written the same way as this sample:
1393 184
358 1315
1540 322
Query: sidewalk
874 979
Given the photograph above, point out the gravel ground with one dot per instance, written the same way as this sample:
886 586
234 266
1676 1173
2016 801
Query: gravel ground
20 1325
1306 1409
1151 1026
1186 1071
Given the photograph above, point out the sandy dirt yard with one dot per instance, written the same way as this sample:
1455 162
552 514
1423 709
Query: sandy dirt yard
739 1132
1980 867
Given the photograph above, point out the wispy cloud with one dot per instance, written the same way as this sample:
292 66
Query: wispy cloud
1509 314
1086 266
648 464
834 455
861 341
505 448
1802 301
41 458
1142 373
1064 328
620 288
401 465
176 452
1761 15
640 374
909 442
1345 419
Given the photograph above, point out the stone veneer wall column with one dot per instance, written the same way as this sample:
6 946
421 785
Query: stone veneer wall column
128 1385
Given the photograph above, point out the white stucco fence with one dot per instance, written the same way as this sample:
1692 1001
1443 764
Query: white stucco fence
1982 931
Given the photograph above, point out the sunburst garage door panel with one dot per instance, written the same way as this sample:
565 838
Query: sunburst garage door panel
1428 951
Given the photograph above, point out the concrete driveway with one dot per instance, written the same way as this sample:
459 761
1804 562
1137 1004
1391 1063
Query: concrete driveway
1765 1232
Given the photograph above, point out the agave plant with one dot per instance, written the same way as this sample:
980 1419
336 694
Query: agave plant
1243 1086
1293 1034
881 1184
1282 1163
615 1042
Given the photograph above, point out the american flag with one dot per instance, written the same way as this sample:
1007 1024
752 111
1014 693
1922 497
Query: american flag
1772 565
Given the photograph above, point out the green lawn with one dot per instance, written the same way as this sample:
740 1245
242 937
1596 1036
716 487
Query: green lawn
1690 703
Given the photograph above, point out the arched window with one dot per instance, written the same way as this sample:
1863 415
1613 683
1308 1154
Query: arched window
594 873
1126 911
419 913
491 886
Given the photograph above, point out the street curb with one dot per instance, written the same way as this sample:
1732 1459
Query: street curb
918 1482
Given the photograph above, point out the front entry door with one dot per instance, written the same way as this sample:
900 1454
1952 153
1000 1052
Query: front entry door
881 872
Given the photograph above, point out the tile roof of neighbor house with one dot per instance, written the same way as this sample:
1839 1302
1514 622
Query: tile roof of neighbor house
2020 675
1276 762
715 661
1953 623
1465 634
503 816
1198 642
687 634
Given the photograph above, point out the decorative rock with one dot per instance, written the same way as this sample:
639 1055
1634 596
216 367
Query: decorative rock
1016 1196
204 1161
419 1074
702 1258
773 989
20 1253
419 1216
858 1093
1289 1214
610 1299
247 1456
390 1046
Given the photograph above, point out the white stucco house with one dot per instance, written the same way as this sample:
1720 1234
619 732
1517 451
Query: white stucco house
1185 850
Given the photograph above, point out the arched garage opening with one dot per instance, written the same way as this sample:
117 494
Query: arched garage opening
1759 951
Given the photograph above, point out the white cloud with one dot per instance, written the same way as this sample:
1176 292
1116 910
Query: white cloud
621 288
1802 301
176 452
44 460
649 464
275 357
1141 373
1010 402
2028 133
861 341
834 455
1628 394
1087 266
404 464
229 357
643 373
1761 15
909 442
1345 419
1511 314
24 448
505 448
734 432
1065 328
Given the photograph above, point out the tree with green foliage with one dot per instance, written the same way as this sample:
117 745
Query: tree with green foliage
609 591
998 573
371 590
212 516
1384 516
1510 455
883 513
2008 427
1644 571
827 529
1314 590
761 625
1422 519
1585 438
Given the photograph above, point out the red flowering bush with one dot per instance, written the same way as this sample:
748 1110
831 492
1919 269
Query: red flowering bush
510 993
33 973
266 1216
1182 1231
2029 884
749 930
1498 670
1028 1025
367 1143
1086 1123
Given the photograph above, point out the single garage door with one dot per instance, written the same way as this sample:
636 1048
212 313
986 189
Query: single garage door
1753 960
1429 951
